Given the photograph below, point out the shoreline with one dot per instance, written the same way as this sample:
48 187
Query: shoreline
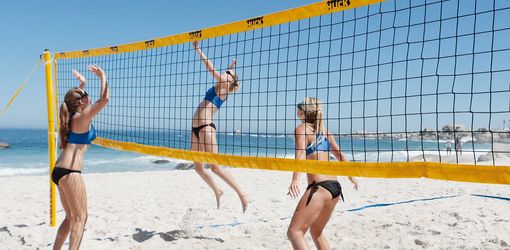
176 210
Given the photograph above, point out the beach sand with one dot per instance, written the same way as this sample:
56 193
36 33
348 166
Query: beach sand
176 210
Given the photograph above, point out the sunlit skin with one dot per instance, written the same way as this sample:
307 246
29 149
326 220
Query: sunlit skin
206 141
316 214
71 187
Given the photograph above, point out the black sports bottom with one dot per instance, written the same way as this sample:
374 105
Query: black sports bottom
58 173
196 130
332 186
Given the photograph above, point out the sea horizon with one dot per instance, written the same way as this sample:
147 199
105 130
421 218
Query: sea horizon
27 153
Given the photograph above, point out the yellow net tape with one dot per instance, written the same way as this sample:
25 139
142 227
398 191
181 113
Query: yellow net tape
312 10
441 171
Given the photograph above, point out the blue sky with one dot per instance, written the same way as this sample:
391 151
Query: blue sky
29 27
76 27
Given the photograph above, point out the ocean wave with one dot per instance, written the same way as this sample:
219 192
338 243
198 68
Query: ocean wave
393 156
144 159
22 171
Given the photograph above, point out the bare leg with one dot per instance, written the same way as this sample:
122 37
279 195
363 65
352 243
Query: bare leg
65 227
76 195
305 216
200 169
211 145
318 225
229 179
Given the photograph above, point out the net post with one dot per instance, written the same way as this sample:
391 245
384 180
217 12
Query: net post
51 132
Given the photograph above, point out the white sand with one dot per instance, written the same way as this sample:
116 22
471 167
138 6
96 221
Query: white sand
169 207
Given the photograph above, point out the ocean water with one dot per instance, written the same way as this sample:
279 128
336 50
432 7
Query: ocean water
28 151
28 155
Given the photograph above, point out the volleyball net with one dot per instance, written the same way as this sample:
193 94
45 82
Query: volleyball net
409 89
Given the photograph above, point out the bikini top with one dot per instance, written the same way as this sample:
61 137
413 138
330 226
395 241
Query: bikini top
213 97
321 144
82 138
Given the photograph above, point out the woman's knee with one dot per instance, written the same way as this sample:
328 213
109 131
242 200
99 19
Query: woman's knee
67 220
215 169
199 167
294 233
78 218
316 233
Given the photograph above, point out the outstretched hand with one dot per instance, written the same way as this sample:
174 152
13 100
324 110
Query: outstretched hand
79 76
97 70
196 45
233 64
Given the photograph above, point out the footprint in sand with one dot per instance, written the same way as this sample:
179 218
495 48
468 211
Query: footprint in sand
502 243
420 243
456 215
452 224
434 232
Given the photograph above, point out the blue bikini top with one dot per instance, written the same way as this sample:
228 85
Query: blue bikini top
321 144
82 138
213 97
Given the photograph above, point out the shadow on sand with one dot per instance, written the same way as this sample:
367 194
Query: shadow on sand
143 235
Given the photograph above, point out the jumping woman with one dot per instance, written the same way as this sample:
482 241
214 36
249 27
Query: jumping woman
203 130
76 133
314 142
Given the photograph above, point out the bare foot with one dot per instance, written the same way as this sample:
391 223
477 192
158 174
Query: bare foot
218 197
244 202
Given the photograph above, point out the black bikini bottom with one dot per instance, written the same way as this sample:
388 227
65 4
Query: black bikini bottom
196 130
58 173
332 186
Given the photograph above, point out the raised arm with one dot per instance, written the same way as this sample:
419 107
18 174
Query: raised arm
80 78
104 94
208 64
300 138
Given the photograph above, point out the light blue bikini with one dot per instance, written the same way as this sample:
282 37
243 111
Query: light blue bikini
82 138
213 97
321 144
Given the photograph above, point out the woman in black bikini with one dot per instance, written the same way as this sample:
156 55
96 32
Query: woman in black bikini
203 136
75 134
313 211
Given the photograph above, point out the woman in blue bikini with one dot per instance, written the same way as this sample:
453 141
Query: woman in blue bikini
314 142
75 134
203 136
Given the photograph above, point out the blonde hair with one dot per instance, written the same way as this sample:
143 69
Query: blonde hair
234 86
312 110
69 106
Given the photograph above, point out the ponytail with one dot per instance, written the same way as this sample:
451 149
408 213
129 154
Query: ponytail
64 125
319 123
69 106
314 118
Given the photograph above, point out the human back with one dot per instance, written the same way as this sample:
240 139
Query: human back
75 135
72 155
313 139
76 113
